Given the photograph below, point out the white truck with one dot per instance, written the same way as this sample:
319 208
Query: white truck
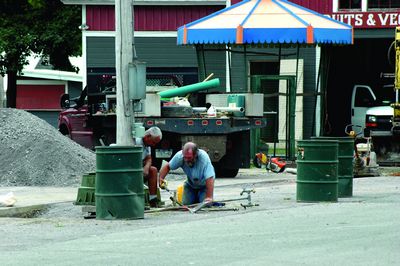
375 114
372 113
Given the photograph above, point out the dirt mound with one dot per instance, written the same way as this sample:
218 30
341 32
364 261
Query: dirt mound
33 153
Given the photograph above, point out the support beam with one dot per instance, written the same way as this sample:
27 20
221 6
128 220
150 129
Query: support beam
124 56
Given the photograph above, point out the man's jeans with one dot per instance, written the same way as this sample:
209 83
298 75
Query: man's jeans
192 195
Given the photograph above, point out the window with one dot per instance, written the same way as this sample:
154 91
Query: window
349 4
383 3
363 98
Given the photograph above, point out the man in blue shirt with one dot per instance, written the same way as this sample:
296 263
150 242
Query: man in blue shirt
195 162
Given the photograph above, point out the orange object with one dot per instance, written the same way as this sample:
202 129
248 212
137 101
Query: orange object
276 165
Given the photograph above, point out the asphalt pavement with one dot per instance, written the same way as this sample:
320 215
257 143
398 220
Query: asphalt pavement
358 230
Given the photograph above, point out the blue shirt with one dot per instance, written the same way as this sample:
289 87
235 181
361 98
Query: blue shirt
199 173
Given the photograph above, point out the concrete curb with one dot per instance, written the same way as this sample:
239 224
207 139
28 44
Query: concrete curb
23 211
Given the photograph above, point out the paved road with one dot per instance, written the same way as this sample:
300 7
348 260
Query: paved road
362 230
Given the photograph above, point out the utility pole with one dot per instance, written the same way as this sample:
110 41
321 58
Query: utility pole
124 55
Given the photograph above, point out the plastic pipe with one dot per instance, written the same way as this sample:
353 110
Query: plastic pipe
182 91
221 109
230 109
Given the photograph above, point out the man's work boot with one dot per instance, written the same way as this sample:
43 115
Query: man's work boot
153 203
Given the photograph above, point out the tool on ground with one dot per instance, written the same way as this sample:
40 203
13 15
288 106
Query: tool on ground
260 159
194 208
199 206
185 208
365 162
248 198
173 194
274 164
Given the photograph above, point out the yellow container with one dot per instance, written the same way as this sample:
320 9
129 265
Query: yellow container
179 194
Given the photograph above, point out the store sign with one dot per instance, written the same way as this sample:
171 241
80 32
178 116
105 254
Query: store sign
369 19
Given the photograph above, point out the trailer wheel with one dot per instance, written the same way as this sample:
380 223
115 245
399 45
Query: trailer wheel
64 130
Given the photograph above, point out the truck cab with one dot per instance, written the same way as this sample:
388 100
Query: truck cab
372 112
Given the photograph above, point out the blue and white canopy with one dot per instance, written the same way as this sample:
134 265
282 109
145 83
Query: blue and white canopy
265 21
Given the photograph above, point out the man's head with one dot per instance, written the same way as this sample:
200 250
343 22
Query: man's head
189 152
152 136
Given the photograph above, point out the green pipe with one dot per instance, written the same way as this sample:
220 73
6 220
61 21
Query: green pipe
183 91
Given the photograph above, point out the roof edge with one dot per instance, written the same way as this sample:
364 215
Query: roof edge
147 2
52 74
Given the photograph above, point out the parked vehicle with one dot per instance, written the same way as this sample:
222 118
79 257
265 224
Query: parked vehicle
90 120
375 114
372 112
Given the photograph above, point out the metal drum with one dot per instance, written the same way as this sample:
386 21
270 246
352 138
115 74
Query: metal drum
345 169
317 170
119 183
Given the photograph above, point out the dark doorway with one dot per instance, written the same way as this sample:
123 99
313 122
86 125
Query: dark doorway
361 63
270 89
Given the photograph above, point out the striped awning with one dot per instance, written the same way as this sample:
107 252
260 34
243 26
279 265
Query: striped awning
265 21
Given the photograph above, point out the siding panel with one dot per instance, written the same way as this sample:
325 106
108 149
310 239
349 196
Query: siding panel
148 18
321 6
100 18
100 52
156 52
324 7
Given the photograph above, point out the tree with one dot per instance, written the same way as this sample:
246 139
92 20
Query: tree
45 27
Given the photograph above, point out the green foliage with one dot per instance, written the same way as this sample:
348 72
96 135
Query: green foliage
45 27
16 40
61 37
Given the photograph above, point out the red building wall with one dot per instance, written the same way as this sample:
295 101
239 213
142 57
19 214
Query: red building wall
169 18
321 6
148 18
39 97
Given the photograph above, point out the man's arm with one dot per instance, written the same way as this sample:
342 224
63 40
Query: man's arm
146 165
163 173
209 189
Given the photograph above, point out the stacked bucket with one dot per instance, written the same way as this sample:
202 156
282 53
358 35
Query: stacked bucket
324 169
86 190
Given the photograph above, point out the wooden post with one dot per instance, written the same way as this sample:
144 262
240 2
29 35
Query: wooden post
124 55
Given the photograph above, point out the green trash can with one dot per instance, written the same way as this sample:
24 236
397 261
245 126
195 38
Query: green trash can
119 182
345 168
317 170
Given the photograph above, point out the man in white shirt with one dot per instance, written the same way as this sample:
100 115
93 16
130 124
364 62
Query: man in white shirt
151 137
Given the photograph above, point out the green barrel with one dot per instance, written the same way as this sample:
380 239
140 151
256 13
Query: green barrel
119 182
317 170
345 169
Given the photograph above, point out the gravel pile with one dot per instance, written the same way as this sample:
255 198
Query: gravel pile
33 153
